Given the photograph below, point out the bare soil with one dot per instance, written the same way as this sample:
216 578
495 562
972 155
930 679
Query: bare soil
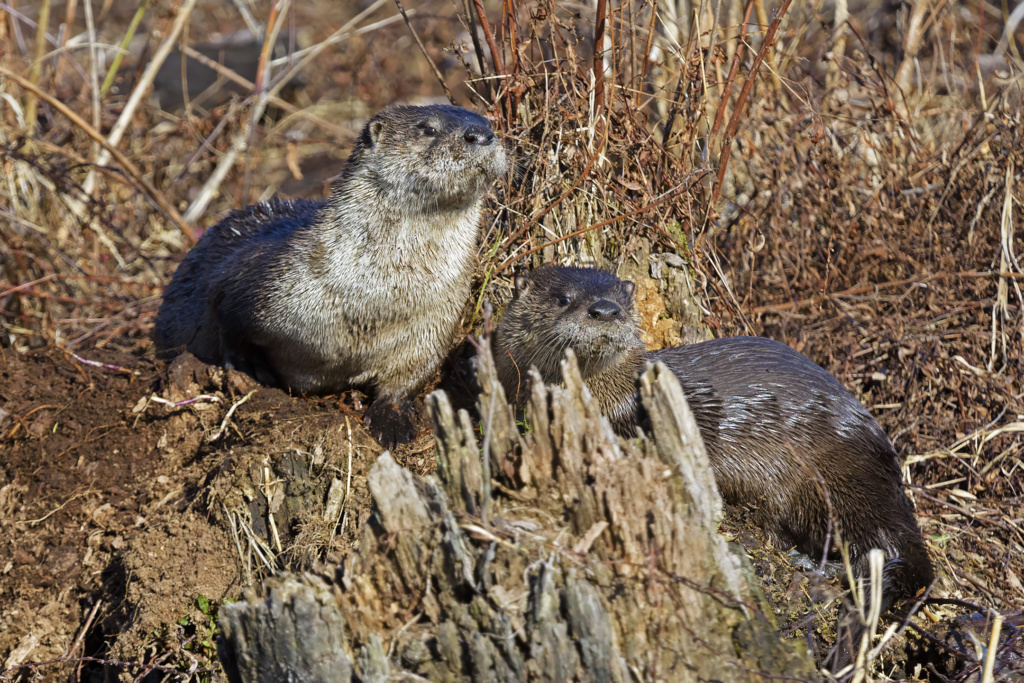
115 502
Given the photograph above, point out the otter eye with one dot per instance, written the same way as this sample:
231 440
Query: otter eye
427 130
562 300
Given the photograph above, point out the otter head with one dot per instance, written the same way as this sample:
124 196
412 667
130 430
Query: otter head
557 307
428 159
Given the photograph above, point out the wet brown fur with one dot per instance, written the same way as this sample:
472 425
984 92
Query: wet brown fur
777 427
362 290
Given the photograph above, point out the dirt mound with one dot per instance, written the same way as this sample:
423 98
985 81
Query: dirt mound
124 515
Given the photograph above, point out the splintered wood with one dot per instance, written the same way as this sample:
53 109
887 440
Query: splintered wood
546 550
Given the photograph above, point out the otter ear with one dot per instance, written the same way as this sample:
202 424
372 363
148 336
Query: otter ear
628 287
522 281
375 129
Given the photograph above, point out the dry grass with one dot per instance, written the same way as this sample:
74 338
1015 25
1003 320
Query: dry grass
853 190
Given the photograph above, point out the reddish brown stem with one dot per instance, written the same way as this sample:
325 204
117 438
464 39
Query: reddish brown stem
510 18
736 58
734 122
512 93
477 48
261 66
647 50
602 9
499 68
266 48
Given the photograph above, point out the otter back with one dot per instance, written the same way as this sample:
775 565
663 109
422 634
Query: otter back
779 429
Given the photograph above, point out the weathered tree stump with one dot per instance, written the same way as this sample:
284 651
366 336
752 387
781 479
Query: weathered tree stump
564 553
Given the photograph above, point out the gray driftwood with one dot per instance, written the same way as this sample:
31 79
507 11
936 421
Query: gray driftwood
564 553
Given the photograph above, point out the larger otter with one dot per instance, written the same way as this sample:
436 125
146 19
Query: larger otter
364 289
777 427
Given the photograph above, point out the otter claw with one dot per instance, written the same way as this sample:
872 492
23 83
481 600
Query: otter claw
390 422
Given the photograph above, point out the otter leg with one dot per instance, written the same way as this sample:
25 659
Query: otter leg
400 376
247 358
390 421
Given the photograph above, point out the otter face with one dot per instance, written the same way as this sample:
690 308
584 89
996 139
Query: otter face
432 158
588 310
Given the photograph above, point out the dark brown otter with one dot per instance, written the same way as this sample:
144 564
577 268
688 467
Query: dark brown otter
364 289
777 427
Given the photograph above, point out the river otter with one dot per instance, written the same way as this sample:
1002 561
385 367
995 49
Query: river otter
363 289
776 426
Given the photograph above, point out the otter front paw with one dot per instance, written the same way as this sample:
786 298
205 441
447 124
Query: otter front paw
390 422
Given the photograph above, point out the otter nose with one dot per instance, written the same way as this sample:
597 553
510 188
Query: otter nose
604 310
478 135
